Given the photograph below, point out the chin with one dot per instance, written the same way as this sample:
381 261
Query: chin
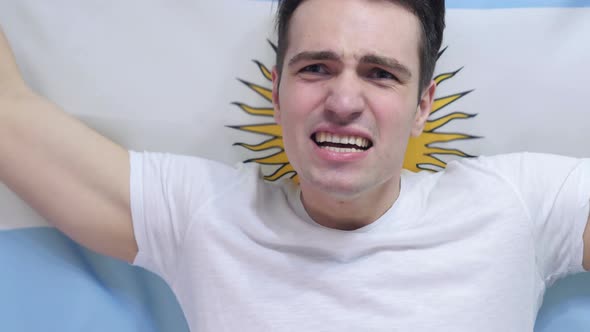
339 186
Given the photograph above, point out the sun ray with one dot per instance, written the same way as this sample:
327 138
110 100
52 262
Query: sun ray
265 72
448 152
437 123
279 158
436 137
421 153
430 161
266 145
445 76
442 102
264 92
282 171
273 45
263 111
270 129
441 52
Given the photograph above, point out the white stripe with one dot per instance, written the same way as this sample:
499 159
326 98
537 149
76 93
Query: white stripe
531 75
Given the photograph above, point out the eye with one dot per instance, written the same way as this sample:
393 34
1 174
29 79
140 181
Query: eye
315 68
381 74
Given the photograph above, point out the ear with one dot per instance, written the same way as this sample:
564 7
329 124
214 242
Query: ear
276 78
424 109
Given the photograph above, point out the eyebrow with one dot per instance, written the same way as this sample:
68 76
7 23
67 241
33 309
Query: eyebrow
316 55
386 62
390 63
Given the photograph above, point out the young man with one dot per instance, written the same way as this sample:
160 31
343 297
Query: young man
359 245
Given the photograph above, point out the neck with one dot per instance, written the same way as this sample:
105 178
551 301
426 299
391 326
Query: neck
350 213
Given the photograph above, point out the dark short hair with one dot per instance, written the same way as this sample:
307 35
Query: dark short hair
431 14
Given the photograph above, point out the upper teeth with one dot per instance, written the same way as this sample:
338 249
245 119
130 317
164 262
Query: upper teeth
332 138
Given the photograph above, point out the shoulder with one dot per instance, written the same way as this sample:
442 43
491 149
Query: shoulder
468 170
190 174
514 166
484 175
186 164
515 161
529 176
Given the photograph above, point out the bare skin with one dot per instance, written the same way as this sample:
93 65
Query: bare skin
74 177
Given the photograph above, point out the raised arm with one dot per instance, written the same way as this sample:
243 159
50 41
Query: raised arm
74 177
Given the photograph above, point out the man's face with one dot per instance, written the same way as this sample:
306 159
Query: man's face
348 95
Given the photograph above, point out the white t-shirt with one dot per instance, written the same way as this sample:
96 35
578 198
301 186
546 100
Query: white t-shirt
471 248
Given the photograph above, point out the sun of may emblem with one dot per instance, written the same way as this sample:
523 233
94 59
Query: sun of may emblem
420 155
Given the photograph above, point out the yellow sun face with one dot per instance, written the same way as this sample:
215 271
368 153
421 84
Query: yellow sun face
420 155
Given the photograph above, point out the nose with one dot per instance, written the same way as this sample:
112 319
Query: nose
345 101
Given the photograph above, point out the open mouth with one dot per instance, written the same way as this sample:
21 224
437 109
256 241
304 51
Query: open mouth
343 144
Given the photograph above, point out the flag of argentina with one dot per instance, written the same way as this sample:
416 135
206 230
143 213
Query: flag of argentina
170 76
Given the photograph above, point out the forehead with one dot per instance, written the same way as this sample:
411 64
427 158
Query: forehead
353 28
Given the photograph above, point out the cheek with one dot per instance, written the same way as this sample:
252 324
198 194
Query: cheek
394 116
299 99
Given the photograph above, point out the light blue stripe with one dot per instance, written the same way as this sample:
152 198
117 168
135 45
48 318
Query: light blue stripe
49 283
496 4
487 4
